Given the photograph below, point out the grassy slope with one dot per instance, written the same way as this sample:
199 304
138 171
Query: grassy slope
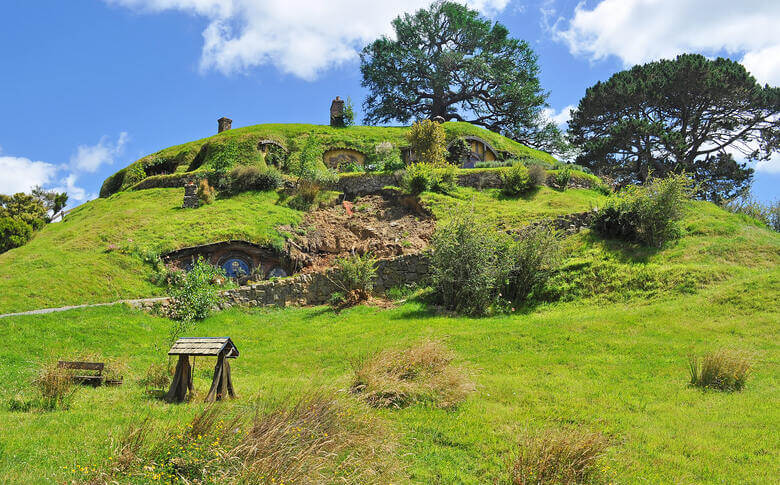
615 366
69 262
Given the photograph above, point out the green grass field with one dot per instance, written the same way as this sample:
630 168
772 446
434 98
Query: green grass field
610 355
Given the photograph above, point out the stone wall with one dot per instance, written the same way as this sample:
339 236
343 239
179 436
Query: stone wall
314 288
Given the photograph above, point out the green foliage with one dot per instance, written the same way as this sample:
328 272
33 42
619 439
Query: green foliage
53 202
465 67
649 214
417 178
355 273
113 183
685 115
538 175
516 180
13 233
133 174
25 208
349 112
306 164
458 151
532 257
768 213
445 179
723 370
428 142
466 270
193 294
561 456
562 177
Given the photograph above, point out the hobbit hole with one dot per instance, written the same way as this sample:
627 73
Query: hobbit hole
479 151
338 157
241 260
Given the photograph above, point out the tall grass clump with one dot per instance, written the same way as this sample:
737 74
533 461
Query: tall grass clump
421 373
768 213
205 192
251 177
648 214
722 370
54 389
466 265
314 440
560 457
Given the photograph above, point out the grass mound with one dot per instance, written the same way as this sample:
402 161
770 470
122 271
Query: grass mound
563 456
316 440
723 370
421 373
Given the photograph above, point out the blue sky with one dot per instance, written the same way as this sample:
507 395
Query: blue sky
88 86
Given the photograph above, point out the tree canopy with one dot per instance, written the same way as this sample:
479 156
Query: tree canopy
448 61
689 114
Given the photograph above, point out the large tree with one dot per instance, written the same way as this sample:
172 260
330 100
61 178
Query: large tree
448 61
690 114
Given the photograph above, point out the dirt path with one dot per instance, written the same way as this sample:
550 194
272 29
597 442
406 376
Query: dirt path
73 307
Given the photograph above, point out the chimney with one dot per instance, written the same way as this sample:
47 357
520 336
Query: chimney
337 112
224 124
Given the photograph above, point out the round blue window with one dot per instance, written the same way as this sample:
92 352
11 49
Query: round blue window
235 267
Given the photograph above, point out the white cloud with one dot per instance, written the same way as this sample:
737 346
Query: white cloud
638 31
560 118
769 166
299 37
75 193
22 174
89 158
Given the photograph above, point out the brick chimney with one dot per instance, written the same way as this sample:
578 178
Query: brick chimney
224 124
337 112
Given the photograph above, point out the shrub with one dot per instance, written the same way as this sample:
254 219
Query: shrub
537 174
458 151
533 259
393 162
494 164
466 270
314 439
515 180
417 178
194 293
354 276
649 214
250 177
55 386
421 373
349 113
205 192
133 174
13 233
444 180
561 177
723 370
560 457
428 142
306 193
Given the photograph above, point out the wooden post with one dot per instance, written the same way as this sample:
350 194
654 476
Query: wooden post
182 381
222 384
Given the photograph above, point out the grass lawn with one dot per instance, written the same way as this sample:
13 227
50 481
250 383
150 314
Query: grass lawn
618 368
97 254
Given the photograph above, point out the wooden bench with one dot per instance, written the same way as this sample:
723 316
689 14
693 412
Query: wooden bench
94 379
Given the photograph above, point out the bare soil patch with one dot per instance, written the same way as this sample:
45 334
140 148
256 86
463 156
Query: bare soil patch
383 225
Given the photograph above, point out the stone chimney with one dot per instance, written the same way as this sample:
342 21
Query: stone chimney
224 124
337 112
190 196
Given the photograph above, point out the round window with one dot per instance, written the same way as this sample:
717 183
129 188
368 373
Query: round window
235 267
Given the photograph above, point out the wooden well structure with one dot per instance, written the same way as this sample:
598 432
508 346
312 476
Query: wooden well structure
220 347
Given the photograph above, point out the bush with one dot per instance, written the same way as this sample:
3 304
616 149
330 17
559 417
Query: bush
205 192
561 178
194 293
560 457
516 180
427 141
724 370
649 214
354 276
250 177
466 269
13 233
533 257
305 195
444 180
158 376
417 178
537 174
458 151
421 373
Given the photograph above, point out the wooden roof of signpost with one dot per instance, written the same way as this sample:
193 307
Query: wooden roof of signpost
204 346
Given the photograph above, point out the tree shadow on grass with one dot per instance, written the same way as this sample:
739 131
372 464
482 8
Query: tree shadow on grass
525 196
622 251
